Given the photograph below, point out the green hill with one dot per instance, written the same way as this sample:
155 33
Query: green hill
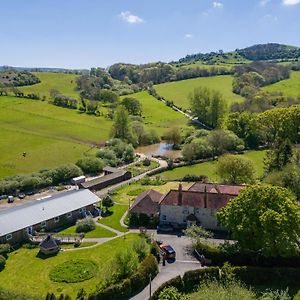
179 91
50 135
64 83
289 87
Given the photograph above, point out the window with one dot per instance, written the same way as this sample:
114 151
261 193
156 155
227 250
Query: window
212 212
43 224
185 210
82 209
8 237
56 220
197 211
164 217
69 215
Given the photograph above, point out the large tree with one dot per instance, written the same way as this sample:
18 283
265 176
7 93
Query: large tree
133 106
208 106
173 136
264 219
235 169
121 126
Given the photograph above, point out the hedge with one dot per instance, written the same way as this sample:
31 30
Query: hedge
2 262
248 275
219 257
4 249
132 285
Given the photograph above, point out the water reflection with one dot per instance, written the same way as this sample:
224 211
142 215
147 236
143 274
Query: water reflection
162 149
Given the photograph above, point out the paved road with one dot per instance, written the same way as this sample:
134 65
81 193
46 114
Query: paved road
184 262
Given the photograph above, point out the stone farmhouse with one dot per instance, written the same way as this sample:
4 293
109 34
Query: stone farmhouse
19 223
181 208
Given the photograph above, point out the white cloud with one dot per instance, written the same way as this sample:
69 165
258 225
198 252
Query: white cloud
264 2
128 17
217 4
189 36
290 2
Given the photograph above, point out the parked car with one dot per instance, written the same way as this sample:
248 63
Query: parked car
10 199
168 251
21 195
3 197
165 228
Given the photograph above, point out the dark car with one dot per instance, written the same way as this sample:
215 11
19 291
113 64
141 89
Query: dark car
21 195
168 251
164 228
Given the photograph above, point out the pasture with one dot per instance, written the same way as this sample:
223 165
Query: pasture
32 273
157 115
209 168
50 135
179 91
289 87
64 83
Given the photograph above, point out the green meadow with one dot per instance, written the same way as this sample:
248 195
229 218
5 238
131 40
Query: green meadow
157 115
31 273
179 91
209 168
50 135
289 87
64 83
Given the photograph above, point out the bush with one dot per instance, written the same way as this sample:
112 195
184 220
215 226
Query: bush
2 262
85 225
140 248
192 178
131 285
4 249
90 165
155 251
146 162
175 282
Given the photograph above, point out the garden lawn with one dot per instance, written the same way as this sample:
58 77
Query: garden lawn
113 220
179 91
64 83
157 115
30 274
98 232
130 192
50 135
209 168
289 87
137 169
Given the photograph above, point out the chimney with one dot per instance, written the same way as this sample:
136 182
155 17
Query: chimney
205 197
180 194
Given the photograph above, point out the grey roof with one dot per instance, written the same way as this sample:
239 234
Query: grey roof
111 169
35 212
101 179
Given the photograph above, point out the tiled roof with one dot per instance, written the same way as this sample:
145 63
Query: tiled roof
146 203
48 243
196 199
227 189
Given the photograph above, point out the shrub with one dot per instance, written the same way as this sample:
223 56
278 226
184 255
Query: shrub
146 162
2 262
140 248
4 249
170 293
85 225
90 165
192 178
175 282
155 251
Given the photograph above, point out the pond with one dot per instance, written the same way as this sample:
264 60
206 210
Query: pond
162 149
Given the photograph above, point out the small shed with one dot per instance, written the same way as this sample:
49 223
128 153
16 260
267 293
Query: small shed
49 245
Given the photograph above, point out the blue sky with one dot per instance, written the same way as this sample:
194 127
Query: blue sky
85 33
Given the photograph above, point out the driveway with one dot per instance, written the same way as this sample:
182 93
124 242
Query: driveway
184 262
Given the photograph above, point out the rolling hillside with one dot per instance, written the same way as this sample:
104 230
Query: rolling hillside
50 135
179 91
157 115
64 83
289 87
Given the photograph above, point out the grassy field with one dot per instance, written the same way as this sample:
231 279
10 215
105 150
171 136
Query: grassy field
31 273
209 168
64 83
113 220
128 193
157 115
98 232
179 91
50 135
289 87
